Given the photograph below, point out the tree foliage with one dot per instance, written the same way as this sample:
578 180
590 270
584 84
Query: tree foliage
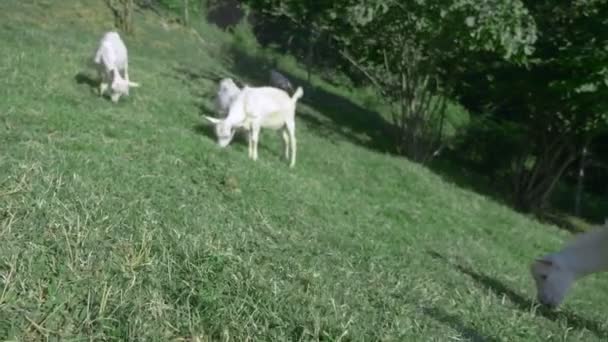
123 14
558 98
537 71
408 50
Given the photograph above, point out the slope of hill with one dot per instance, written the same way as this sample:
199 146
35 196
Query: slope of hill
127 221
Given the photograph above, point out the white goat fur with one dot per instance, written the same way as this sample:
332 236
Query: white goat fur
111 59
555 273
259 107
226 94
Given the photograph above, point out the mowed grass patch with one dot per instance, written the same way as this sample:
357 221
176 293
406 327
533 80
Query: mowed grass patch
126 221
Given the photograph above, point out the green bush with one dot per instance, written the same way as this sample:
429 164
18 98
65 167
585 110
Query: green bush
490 145
177 6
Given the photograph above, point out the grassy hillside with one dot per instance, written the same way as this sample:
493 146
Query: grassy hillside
127 221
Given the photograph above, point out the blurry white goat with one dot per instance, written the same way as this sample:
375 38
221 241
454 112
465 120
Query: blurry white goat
259 107
555 273
226 94
111 58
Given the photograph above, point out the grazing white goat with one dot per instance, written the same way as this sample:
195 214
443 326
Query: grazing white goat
111 58
555 273
226 94
257 107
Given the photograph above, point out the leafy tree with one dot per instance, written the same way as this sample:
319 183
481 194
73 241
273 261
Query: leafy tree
408 50
558 98
123 14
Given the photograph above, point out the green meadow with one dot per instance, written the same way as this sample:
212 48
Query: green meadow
127 222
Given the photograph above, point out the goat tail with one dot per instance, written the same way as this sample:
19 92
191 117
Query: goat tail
297 95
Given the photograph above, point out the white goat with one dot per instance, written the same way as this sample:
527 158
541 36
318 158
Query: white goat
259 107
226 94
111 58
555 273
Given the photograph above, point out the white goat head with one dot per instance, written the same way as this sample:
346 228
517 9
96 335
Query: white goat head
552 280
223 131
111 59
120 86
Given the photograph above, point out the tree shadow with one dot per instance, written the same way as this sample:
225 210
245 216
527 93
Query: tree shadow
465 175
593 206
456 323
320 127
189 74
336 113
561 221
195 81
477 161
193 78
522 303
454 168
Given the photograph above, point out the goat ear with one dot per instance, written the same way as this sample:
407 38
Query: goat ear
213 120
133 84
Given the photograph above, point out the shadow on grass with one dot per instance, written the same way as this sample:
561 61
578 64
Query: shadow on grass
456 170
92 83
197 75
562 222
525 304
338 115
194 79
204 129
455 323
84 78
592 211
466 176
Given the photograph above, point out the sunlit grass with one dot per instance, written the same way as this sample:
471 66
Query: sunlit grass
127 222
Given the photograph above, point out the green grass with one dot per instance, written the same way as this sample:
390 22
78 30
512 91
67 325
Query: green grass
127 222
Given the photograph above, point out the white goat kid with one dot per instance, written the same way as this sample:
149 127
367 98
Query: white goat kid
555 273
226 94
111 58
259 107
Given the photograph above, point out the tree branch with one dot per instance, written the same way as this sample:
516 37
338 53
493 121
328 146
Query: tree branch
351 60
